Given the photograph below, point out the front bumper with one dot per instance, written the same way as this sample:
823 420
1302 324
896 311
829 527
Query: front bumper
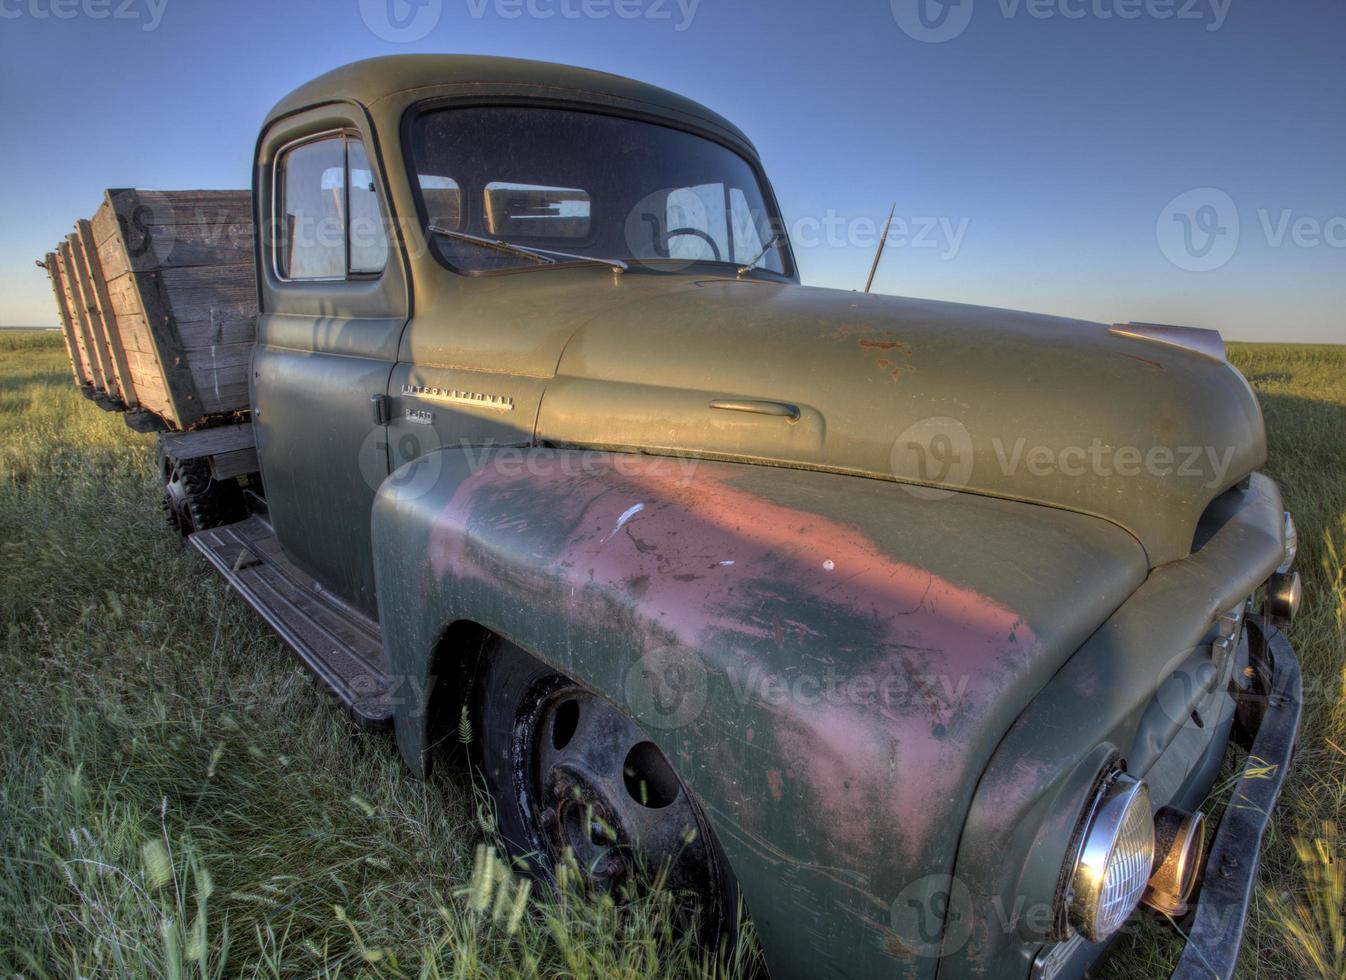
1266 725
1216 934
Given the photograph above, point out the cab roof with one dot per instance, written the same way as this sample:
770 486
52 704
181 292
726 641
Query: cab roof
366 82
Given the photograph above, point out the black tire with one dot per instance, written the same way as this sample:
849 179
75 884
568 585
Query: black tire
556 759
194 500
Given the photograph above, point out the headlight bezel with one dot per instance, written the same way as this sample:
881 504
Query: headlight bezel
1290 536
1118 821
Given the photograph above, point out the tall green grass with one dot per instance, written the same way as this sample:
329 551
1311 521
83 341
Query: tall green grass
177 799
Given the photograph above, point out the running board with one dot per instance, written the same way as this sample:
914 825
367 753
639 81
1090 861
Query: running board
342 646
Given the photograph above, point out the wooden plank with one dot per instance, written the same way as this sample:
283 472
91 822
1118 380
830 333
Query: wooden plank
172 229
221 376
230 448
136 338
141 294
67 328
104 223
78 317
62 287
84 291
207 442
222 326
205 294
241 462
88 255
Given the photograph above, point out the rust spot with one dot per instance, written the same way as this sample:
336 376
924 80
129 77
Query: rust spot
895 348
774 781
893 944
1144 360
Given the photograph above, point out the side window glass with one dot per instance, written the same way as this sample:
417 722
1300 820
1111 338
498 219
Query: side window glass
313 211
696 222
332 224
368 236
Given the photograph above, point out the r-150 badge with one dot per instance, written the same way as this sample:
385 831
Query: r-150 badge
420 418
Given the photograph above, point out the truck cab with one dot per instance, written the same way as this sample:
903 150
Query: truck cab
882 614
421 188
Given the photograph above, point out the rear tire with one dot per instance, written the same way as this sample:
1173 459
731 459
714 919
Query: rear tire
568 770
194 500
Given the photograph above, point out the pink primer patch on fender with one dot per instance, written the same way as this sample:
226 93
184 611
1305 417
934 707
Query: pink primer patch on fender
698 560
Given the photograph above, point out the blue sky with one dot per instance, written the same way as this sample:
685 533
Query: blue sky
1176 161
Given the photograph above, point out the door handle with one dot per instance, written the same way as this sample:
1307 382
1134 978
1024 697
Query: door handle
782 410
382 409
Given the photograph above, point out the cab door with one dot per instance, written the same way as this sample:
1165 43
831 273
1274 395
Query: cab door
334 304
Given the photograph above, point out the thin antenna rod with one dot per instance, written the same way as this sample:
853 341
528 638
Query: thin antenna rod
882 242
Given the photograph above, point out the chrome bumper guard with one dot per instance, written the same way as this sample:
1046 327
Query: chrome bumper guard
1213 942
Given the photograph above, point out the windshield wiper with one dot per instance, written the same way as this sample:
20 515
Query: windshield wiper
772 242
542 256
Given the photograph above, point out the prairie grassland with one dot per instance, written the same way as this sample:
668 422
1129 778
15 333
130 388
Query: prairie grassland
177 797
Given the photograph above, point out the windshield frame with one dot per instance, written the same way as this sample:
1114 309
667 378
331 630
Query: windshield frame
695 267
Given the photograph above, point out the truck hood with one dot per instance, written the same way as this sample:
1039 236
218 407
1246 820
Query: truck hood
942 397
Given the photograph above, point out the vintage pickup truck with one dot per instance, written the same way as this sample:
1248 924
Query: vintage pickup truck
922 629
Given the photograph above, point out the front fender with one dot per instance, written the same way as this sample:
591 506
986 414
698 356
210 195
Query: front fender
829 661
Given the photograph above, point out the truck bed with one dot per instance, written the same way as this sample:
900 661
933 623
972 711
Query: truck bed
158 303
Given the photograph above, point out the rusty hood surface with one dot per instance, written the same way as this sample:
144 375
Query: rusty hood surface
1064 413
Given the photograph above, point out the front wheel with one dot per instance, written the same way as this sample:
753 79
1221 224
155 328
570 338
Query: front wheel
569 771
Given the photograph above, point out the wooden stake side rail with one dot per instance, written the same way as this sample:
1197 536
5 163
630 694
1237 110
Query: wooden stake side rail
93 318
81 375
81 320
158 303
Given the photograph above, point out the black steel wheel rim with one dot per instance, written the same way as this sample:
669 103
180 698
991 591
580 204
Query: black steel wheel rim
590 783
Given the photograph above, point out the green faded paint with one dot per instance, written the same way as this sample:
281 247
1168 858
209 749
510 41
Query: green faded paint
845 668
655 537
1104 699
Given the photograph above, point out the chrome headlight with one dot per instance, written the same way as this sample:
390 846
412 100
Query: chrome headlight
1291 544
1115 858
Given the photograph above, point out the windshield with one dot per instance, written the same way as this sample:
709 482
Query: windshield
583 184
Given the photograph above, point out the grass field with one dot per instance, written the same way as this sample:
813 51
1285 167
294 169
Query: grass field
176 797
